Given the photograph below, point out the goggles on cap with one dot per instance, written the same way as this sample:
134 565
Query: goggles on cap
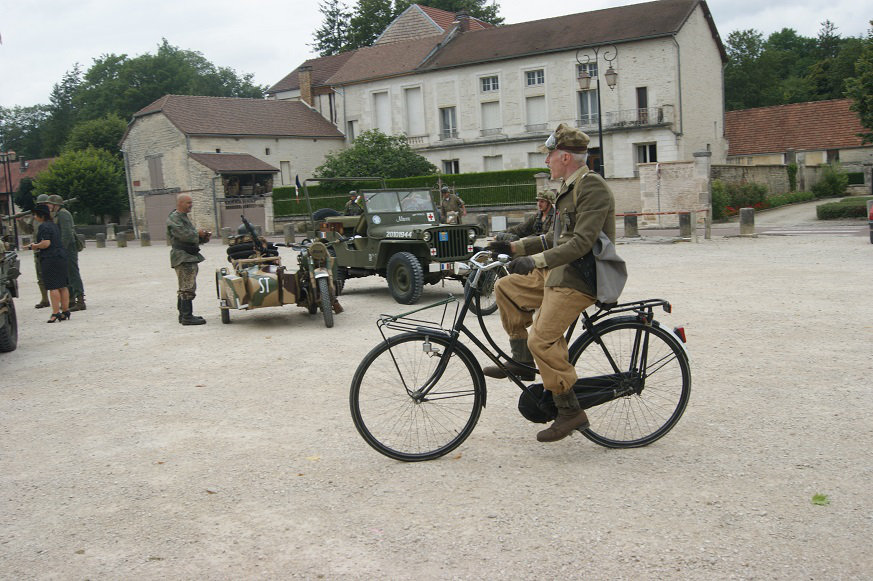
552 142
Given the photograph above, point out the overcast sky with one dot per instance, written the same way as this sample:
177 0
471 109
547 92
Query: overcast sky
41 40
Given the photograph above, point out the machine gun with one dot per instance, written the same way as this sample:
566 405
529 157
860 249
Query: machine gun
262 249
26 213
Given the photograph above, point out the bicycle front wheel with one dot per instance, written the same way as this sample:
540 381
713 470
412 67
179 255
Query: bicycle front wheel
394 415
649 365
486 301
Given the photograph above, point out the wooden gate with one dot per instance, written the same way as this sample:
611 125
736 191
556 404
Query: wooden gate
252 207
157 208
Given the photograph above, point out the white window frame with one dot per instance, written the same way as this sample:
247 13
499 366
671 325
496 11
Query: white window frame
448 130
451 166
489 83
538 76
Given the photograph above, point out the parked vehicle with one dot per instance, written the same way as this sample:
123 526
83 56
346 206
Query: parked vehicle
257 279
399 237
9 271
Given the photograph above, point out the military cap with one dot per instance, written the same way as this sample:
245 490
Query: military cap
547 195
56 199
566 139
42 199
444 189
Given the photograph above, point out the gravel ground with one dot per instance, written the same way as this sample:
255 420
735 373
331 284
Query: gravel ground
134 448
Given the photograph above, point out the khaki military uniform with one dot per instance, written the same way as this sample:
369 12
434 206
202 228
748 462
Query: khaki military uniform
451 203
535 225
68 240
185 253
353 208
584 207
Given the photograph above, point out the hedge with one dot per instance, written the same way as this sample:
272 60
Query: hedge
506 187
852 207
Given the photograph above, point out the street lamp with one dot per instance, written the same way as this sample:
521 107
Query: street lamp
610 52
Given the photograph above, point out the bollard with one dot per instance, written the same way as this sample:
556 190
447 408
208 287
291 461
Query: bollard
631 230
747 221
226 233
101 240
684 224
288 232
110 231
482 221
121 239
145 239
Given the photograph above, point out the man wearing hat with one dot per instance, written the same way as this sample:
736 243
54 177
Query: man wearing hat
65 222
584 207
450 202
28 227
539 224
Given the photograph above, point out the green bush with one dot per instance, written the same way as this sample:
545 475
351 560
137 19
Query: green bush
833 182
777 200
852 207
791 168
720 200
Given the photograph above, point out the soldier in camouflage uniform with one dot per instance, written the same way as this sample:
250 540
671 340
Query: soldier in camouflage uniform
185 255
539 223
28 227
64 220
450 202
353 208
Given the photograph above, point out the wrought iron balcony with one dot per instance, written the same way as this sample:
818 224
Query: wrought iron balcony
448 134
629 118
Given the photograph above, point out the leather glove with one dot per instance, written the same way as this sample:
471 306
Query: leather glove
521 265
505 237
500 247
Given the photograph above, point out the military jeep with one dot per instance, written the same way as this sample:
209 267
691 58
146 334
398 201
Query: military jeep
399 237
9 271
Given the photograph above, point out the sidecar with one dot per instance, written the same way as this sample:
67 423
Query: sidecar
257 279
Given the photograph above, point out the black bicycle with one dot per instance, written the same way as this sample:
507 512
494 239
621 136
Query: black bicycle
418 394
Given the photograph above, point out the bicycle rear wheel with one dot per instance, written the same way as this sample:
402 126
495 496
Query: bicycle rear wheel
650 364
398 422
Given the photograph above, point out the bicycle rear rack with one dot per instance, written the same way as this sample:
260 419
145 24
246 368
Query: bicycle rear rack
404 323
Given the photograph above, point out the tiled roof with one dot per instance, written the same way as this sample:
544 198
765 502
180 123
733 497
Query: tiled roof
195 115
233 162
817 125
611 25
34 166
384 60
322 68
445 19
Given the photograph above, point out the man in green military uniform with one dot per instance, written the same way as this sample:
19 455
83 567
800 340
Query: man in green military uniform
558 289
450 202
65 222
539 223
185 255
353 208
27 227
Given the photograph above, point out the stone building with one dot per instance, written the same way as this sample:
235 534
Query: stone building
227 153
478 98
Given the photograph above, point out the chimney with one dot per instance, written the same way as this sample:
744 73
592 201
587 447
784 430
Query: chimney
304 78
463 19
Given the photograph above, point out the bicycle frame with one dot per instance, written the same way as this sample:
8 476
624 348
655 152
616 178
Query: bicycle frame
643 309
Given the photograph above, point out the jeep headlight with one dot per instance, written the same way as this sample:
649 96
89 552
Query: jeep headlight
471 234
426 236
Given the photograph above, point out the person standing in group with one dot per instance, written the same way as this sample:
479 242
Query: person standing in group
560 288
67 226
185 256
53 262
28 225
450 202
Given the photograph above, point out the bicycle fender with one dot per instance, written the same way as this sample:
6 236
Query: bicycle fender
614 320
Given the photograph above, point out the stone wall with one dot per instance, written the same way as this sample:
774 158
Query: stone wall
680 186
775 177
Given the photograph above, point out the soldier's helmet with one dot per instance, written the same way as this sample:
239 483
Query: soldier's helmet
547 195
241 229
444 189
42 199
56 199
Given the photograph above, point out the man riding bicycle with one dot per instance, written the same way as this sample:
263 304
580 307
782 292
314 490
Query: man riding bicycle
559 286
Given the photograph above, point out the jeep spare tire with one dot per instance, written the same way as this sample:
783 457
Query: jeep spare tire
321 214
405 278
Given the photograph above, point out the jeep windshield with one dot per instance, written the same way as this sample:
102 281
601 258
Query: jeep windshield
398 201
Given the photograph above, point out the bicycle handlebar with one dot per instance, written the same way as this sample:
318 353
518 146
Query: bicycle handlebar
502 259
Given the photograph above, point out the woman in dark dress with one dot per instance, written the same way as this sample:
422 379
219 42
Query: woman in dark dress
52 262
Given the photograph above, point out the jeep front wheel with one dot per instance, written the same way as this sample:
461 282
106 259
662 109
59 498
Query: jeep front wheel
405 278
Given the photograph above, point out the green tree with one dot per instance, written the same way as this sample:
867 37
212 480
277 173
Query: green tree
62 112
104 133
369 19
332 37
859 88
24 197
94 176
485 10
375 154
746 75
21 129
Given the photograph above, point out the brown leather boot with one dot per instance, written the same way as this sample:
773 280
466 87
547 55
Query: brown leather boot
78 303
570 417
520 353
337 308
